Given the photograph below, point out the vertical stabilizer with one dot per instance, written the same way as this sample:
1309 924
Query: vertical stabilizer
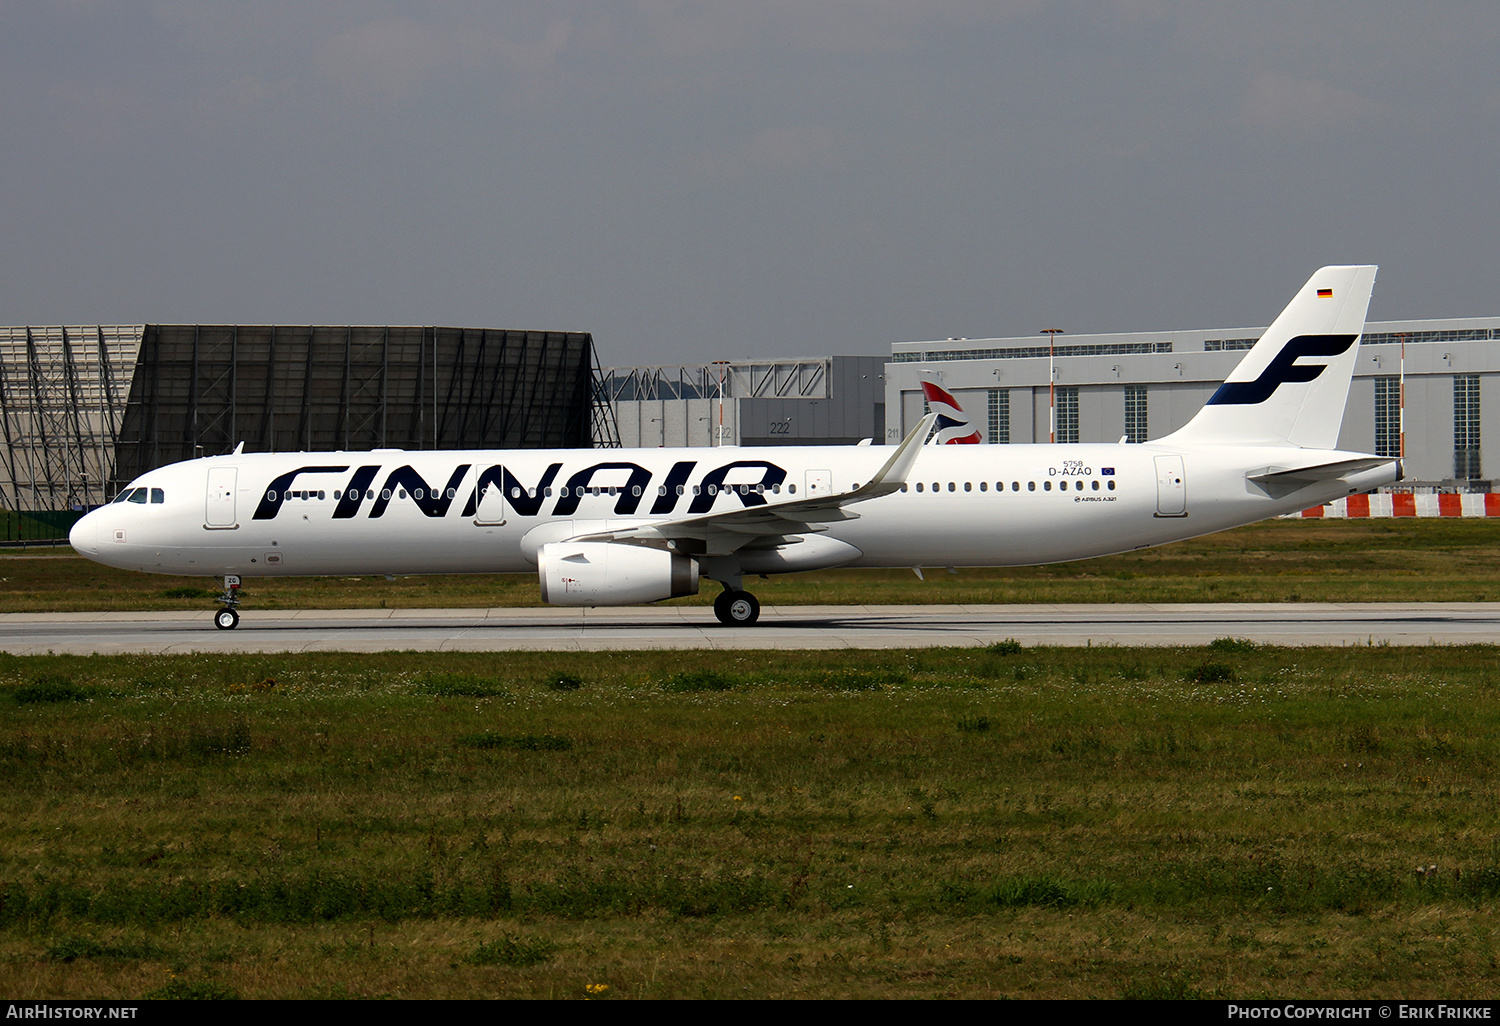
953 426
1292 386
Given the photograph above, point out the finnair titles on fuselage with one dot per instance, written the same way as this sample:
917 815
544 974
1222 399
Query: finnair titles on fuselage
608 527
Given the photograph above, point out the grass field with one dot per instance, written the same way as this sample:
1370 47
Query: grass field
1275 561
1230 821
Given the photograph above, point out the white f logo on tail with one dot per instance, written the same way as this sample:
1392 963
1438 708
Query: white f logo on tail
953 427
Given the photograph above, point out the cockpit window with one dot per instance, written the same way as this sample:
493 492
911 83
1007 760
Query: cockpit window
155 496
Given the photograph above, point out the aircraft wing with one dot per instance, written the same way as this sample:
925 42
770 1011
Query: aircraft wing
723 533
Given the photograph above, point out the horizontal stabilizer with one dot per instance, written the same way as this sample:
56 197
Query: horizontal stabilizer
1317 472
1280 481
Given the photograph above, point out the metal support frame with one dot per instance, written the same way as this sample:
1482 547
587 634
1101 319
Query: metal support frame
85 410
61 403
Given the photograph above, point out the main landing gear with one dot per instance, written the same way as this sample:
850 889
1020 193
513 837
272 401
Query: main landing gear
736 608
228 618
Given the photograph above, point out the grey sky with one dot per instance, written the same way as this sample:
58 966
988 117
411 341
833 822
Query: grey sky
702 179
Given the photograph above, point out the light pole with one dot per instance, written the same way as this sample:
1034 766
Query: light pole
1051 334
1401 415
720 364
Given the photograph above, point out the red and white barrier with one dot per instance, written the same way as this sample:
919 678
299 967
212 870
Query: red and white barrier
1400 504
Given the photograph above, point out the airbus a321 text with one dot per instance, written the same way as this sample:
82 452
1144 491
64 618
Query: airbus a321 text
616 527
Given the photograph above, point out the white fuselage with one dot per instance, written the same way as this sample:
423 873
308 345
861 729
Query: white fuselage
618 526
394 512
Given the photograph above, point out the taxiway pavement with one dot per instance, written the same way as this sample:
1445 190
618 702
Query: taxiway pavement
783 627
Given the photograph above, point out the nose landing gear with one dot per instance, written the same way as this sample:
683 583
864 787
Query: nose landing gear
228 618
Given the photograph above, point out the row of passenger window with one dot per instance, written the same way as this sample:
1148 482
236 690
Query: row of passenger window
1015 486
635 490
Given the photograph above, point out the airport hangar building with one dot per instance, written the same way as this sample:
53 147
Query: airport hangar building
815 400
85 409
1143 385
1134 386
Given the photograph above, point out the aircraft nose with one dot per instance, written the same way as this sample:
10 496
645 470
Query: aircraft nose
84 537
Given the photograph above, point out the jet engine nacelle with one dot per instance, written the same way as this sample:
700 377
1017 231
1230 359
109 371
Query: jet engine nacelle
612 574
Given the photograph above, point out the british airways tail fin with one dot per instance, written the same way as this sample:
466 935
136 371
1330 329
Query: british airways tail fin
953 426
1290 389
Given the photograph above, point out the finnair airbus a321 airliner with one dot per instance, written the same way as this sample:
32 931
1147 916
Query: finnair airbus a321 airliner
616 527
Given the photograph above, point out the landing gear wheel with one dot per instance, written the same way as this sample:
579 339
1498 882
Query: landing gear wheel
226 619
737 608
